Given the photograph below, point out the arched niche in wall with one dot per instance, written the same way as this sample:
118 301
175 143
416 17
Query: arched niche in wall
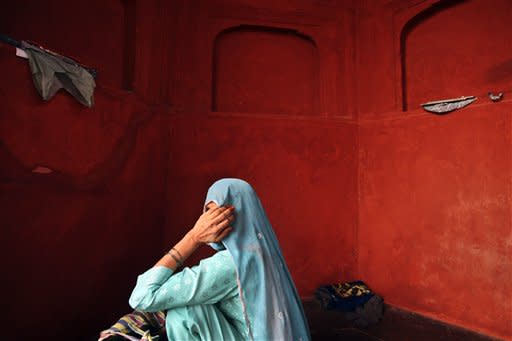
265 70
456 48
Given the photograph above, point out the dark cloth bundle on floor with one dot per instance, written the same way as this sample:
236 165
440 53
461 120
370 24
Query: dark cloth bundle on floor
357 303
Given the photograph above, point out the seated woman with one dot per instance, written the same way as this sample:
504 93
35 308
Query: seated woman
243 292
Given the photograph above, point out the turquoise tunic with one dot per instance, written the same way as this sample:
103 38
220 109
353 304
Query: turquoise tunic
201 302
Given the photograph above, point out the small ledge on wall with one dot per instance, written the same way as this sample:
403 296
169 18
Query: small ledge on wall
456 48
258 69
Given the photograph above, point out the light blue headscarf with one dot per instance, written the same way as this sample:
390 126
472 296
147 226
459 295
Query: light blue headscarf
272 307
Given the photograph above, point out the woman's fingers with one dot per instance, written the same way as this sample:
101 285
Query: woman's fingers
224 233
213 223
212 213
224 223
223 228
222 215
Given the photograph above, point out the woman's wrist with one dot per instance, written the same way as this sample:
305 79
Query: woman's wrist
190 238
178 254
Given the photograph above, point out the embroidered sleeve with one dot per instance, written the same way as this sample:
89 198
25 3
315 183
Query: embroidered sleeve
213 280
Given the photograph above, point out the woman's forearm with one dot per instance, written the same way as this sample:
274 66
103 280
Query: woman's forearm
179 253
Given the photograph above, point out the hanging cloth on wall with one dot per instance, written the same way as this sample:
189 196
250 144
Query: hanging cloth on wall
52 72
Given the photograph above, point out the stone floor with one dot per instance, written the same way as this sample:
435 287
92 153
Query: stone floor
396 325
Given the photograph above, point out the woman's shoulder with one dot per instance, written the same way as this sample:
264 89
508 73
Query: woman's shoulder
221 260
221 256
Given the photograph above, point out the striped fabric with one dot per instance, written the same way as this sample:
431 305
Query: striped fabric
137 326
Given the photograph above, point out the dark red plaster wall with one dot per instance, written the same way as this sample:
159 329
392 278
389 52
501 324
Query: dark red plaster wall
259 69
435 215
434 232
74 240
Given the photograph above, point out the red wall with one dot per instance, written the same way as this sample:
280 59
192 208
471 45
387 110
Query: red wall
251 63
74 240
69 235
435 215
435 225
418 206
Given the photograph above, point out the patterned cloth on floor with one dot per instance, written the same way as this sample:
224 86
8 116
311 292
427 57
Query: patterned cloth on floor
137 326
354 300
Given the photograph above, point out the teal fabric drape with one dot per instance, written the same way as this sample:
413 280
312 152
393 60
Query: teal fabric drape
272 307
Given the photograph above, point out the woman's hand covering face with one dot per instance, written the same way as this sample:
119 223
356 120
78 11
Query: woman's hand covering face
214 224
